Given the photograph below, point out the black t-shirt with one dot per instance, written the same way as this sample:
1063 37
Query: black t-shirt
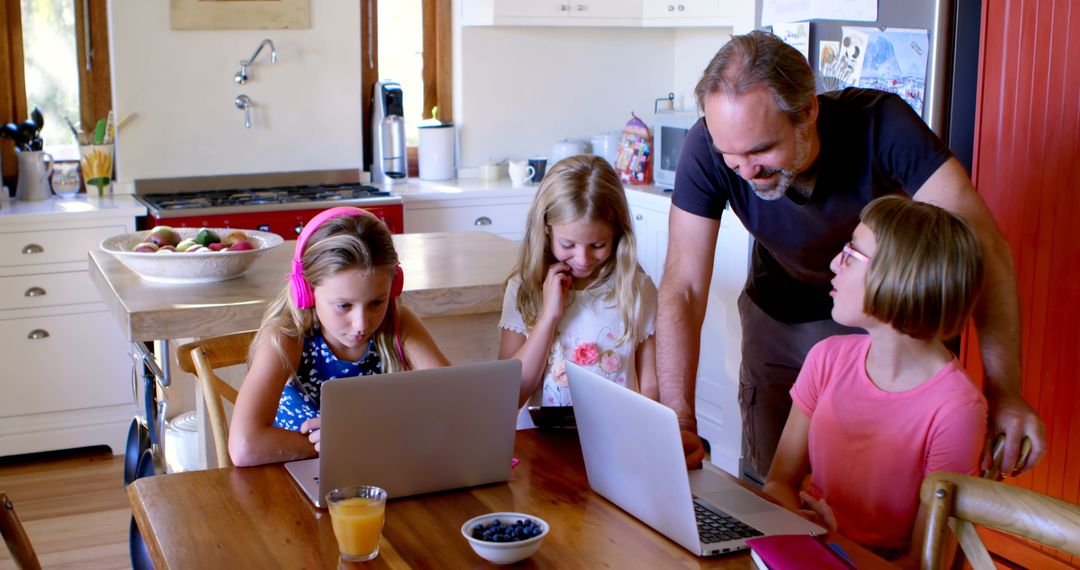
872 144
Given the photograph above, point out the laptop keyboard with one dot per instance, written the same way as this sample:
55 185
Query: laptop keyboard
719 527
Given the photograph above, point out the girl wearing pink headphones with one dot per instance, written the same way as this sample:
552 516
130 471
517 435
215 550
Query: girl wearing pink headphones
336 318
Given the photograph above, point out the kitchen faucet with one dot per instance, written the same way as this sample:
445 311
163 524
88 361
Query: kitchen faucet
242 75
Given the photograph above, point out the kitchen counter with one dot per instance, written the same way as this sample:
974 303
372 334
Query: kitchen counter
446 274
37 211
416 190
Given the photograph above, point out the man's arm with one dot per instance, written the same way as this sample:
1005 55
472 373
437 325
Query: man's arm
683 296
997 316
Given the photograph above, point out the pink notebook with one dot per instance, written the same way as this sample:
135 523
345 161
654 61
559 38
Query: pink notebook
796 551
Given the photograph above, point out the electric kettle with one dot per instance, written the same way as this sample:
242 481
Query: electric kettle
565 148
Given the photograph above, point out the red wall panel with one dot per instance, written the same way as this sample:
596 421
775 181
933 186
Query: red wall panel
1027 168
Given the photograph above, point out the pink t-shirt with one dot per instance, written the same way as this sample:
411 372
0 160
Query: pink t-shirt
870 449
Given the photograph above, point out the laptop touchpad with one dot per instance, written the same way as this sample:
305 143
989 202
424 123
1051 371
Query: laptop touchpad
738 502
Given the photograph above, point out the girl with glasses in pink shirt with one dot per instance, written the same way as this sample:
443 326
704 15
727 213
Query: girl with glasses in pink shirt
874 413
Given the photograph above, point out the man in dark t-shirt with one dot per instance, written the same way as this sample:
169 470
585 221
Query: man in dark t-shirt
797 169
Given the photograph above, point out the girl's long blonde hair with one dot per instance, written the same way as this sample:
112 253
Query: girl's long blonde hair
340 244
580 188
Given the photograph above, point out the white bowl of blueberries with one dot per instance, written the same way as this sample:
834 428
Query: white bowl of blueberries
505 538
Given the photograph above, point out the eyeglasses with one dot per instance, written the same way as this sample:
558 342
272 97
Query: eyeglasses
849 252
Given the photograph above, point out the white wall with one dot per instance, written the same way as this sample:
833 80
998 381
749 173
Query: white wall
694 47
522 88
179 89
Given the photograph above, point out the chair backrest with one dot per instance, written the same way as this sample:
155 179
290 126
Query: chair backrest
962 501
202 358
18 543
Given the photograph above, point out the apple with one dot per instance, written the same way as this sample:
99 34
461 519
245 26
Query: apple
163 235
234 237
195 249
186 244
145 247
216 246
171 248
241 245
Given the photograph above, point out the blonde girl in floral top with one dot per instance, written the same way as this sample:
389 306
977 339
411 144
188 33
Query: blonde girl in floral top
577 293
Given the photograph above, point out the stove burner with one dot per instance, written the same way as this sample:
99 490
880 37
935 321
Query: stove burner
184 203
261 196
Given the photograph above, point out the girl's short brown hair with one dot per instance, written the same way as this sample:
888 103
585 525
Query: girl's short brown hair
927 270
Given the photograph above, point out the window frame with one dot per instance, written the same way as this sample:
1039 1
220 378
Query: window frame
437 76
95 89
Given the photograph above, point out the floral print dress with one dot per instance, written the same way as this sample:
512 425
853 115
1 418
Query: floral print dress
300 400
587 335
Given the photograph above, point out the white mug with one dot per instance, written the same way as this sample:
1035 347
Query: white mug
520 173
490 171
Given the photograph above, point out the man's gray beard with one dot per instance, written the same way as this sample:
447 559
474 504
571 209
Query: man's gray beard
777 191
803 185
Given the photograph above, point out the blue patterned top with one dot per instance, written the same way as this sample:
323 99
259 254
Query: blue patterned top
300 398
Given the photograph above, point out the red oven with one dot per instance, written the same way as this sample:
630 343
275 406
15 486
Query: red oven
282 210
285 223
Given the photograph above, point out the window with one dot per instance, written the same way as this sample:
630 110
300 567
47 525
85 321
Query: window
53 54
407 41
51 72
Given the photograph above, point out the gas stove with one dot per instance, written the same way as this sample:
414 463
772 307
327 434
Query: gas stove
240 200
257 204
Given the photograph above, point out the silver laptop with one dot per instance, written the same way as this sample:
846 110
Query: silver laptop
634 458
415 432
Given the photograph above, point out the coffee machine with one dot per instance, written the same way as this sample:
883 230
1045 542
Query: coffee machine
388 165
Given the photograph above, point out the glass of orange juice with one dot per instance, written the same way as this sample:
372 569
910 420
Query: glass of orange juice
357 515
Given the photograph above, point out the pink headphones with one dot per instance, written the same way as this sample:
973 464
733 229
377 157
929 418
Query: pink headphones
302 293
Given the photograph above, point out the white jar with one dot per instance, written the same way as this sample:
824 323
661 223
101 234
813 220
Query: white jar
606 145
436 152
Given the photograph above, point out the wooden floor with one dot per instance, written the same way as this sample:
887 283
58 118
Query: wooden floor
73 506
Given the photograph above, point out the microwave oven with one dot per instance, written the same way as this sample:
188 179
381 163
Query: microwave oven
669 131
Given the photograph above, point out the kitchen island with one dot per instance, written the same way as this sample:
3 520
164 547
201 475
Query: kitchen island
446 274
453 281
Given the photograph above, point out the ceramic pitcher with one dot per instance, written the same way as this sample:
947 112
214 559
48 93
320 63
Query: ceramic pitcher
34 175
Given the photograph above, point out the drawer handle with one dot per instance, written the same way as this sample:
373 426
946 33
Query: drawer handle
482 221
38 333
34 292
33 248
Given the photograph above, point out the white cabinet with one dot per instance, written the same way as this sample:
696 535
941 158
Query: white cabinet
66 379
649 214
502 214
531 9
717 403
613 13
667 9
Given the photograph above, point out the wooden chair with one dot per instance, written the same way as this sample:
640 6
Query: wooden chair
18 543
961 501
202 358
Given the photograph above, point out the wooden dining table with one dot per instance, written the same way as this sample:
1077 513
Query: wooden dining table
256 517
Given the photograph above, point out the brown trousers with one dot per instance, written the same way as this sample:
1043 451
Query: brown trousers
772 354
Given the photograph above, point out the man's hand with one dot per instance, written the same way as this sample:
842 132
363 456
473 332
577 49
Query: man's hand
692 448
1011 415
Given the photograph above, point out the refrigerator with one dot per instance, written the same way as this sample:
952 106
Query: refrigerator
951 66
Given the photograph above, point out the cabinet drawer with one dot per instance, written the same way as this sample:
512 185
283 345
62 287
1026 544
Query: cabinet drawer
47 290
500 219
52 246
81 363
